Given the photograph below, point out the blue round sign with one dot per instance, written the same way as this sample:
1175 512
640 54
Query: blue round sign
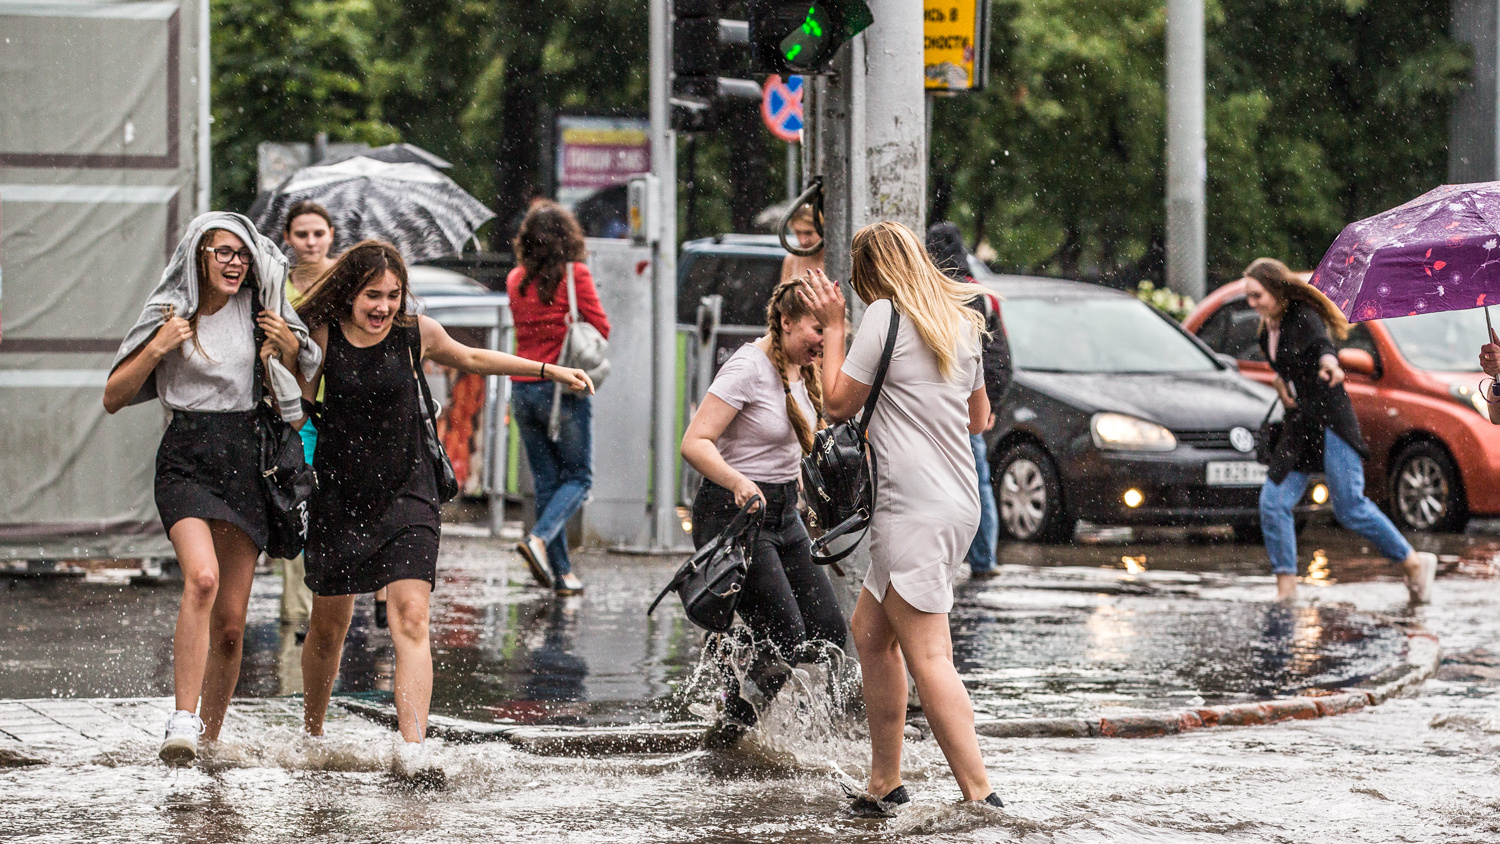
781 107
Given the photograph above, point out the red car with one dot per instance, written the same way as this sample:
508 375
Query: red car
1414 381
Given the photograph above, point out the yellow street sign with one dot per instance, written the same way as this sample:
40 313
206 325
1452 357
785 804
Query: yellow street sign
956 38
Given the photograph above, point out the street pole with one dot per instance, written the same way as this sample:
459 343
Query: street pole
1187 165
667 532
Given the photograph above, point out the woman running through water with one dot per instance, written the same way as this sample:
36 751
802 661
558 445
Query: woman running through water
194 348
747 439
374 517
926 498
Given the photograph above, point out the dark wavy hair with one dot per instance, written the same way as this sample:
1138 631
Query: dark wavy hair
550 239
366 262
305 206
1286 287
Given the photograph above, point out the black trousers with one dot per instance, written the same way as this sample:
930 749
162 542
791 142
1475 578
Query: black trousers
786 599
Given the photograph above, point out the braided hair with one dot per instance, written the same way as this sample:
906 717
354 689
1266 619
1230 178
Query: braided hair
785 303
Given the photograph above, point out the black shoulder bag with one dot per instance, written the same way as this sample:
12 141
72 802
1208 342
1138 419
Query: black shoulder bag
1268 435
286 479
442 467
709 582
838 477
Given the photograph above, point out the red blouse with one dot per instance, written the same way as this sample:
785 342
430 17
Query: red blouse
540 327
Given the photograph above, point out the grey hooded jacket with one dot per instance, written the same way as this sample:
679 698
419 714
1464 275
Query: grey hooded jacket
179 289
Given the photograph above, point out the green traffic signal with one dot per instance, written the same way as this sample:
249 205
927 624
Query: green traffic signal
798 37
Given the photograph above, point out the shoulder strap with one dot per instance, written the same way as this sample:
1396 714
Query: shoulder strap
414 356
885 364
572 296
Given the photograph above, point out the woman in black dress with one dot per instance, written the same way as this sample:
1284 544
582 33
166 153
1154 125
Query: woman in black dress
374 518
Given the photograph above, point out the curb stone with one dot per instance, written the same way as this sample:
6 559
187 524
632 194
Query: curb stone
1423 654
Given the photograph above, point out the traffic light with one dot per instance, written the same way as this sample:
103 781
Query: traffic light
704 49
802 36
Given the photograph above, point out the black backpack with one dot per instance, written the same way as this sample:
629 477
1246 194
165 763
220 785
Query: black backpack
838 477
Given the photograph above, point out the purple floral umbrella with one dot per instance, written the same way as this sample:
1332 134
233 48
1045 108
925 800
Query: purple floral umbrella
1438 252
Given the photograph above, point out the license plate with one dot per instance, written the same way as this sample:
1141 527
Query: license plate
1236 473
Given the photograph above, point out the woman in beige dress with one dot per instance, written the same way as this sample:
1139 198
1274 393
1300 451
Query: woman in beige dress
926 499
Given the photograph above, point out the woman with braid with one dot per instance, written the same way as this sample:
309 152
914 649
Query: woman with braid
747 439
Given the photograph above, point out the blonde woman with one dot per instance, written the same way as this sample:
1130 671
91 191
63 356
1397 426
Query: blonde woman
926 499
747 439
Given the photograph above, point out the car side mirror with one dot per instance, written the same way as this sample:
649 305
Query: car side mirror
1357 361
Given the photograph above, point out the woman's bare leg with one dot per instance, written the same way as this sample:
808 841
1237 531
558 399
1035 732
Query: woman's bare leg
226 626
884 674
194 544
321 652
407 602
928 649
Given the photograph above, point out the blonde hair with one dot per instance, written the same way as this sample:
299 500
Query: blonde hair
889 262
1286 287
785 303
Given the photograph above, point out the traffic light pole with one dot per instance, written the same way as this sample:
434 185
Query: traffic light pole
1187 166
666 529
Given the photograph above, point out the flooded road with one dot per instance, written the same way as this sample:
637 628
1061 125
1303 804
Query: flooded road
1113 622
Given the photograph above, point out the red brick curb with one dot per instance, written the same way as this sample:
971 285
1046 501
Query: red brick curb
1420 662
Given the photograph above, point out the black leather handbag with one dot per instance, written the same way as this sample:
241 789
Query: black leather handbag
1268 435
710 582
287 480
442 467
838 477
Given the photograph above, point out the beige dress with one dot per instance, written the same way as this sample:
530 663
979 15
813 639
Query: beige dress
926 498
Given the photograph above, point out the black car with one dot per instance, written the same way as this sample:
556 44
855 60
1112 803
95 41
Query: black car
1118 416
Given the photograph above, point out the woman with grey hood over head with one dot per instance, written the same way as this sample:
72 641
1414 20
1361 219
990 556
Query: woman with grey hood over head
193 348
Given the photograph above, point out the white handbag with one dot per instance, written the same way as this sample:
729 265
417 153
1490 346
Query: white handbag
583 348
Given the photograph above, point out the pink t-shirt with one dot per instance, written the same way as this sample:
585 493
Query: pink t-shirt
760 442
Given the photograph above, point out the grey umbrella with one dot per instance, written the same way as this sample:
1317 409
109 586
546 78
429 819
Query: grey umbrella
420 211
399 154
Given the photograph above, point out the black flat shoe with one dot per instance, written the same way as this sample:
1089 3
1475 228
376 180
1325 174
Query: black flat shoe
380 616
994 800
866 807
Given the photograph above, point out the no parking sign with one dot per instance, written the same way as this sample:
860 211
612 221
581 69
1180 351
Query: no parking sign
781 107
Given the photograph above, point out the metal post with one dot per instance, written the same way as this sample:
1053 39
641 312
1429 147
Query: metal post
205 75
497 428
1187 166
793 182
1474 121
667 531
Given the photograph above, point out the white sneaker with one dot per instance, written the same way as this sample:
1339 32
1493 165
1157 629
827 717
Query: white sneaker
416 763
180 747
1419 587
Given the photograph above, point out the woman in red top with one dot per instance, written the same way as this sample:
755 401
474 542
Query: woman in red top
562 466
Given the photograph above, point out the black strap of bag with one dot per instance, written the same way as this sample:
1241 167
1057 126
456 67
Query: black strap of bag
861 520
442 467
1268 434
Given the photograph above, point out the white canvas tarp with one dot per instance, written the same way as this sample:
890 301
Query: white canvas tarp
99 150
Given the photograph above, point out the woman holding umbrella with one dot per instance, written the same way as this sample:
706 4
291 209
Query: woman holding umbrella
1321 430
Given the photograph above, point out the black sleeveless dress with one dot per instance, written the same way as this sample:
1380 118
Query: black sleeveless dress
374 518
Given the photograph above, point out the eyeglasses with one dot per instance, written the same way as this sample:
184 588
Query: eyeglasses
224 255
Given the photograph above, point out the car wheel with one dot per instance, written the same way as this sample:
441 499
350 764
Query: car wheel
1426 490
1028 493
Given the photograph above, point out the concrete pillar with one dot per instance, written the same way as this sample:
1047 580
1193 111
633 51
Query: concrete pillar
869 142
1187 164
1474 123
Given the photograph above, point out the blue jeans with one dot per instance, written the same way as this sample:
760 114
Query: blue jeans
563 470
1345 472
981 556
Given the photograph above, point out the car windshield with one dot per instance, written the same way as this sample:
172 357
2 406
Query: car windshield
1445 342
1098 335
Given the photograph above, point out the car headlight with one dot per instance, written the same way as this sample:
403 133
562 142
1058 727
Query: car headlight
1118 432
1470 395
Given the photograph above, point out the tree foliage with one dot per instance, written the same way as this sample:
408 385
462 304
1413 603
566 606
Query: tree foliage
1319 112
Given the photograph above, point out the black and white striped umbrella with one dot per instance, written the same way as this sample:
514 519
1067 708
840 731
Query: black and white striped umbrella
420 211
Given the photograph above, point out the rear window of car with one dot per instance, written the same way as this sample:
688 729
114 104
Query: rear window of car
745 282
1231 330
1098 335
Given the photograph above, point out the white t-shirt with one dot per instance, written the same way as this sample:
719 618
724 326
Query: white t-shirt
760 442
221 376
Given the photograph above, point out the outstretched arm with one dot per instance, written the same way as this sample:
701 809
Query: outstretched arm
438 346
